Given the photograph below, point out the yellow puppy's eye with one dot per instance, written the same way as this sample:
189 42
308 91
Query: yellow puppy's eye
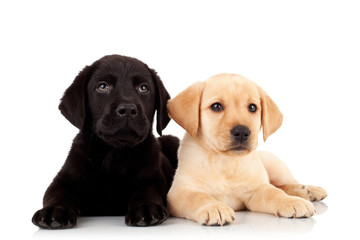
252 108
216 107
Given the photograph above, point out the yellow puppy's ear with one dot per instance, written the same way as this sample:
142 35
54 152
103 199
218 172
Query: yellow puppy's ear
184 109
271 117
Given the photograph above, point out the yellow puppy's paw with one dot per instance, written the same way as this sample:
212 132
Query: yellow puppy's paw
316 193
307 192
295 207
215 214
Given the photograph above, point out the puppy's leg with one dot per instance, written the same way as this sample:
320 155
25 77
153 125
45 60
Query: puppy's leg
269 199
281 177
146 205
60 210
311 193
199 207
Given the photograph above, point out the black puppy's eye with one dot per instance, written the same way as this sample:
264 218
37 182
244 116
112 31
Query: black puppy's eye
143 88
216 107
252 108
103 87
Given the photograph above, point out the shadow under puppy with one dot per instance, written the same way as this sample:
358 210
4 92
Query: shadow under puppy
219 170
115 166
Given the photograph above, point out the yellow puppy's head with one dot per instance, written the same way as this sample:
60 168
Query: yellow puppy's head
225 113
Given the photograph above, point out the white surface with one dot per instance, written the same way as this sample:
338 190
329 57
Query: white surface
305 54
247 224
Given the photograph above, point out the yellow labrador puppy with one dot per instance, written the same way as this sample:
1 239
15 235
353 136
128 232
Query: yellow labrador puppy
219 171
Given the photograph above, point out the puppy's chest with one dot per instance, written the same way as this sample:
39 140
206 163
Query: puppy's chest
231 182
220 180
115 162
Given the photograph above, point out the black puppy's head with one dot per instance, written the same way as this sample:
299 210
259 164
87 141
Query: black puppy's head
116 98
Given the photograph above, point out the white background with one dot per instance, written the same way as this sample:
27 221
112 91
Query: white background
305 54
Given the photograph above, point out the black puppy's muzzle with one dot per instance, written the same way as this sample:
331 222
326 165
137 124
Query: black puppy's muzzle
128 110
240 135
124 125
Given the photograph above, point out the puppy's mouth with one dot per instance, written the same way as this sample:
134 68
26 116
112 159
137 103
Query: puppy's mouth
238 148
123 137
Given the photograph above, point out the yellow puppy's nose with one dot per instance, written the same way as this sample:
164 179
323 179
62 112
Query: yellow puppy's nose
240 133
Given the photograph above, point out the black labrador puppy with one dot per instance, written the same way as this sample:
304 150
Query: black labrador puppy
115 166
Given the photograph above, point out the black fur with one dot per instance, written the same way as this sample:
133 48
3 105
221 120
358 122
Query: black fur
115 166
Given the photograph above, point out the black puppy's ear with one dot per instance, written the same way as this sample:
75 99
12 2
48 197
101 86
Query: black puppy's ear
162 96
72 104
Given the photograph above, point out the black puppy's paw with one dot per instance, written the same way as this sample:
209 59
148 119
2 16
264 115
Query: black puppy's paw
55 218
146 214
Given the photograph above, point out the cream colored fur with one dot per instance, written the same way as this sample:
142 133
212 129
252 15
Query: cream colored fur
213 180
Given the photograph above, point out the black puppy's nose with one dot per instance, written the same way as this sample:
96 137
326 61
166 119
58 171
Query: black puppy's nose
127 110
240 133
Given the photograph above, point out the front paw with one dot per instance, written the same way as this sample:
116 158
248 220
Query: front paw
308 192
215 214
295 207
55 218
146 214
316 193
